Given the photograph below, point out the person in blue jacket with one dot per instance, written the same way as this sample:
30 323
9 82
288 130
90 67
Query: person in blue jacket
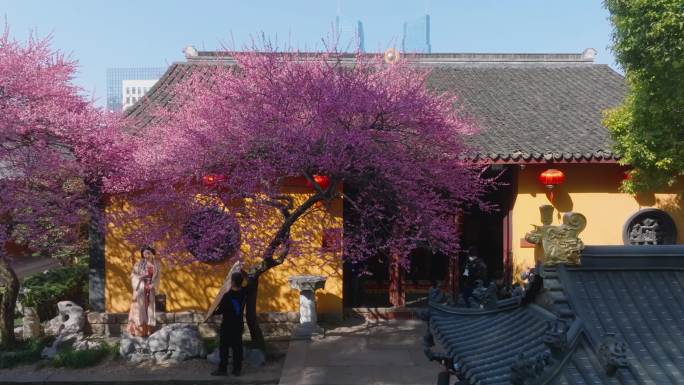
232 308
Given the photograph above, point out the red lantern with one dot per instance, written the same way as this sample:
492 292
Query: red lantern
210 180
321 180
551 178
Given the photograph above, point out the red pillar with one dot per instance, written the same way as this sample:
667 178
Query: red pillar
397 295
452 278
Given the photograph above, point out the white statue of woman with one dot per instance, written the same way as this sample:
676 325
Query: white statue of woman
145 283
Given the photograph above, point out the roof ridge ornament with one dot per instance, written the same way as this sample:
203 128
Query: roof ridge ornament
612 353
190 52
526 369
561 244
556 336
589 53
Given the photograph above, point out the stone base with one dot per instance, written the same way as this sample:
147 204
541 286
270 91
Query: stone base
307 331
114 324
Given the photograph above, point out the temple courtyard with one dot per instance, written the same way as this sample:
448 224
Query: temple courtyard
351 352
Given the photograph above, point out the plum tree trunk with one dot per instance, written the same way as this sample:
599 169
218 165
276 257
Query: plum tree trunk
9 290
280 244
251 314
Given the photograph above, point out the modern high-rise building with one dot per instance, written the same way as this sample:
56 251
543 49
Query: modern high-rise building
135 80
349 35
416 36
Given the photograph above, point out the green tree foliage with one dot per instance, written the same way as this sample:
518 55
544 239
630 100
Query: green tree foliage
648 128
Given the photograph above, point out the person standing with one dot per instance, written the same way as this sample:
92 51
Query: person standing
231 306
474 270
145 283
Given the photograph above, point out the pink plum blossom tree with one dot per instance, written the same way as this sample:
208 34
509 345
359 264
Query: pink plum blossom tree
389 147
49 139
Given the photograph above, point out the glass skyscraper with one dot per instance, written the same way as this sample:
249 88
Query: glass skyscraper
115 81
416 36
349 35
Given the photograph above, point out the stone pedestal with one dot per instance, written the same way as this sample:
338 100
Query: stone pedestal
31 324
307 285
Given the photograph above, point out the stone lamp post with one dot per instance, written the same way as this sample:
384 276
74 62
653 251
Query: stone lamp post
307 285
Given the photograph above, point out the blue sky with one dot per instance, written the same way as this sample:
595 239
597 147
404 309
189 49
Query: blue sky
127 33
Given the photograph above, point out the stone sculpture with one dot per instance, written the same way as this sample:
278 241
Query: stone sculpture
561 243
30 323
68 327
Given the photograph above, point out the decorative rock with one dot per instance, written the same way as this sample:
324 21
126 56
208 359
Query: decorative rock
130 345
19 332
97 329
87 344
255 357
186 342
307 285
214 357
68 326
64 340
69 320
171 344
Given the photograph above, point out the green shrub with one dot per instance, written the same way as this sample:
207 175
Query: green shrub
211 344
44 291
75 359
23 353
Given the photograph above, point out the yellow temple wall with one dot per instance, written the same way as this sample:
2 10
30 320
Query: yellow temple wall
592 190
194 286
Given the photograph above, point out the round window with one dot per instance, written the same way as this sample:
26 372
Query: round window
212 236
650 227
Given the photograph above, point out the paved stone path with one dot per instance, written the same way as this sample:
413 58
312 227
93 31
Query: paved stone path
25 267
119 372
369 353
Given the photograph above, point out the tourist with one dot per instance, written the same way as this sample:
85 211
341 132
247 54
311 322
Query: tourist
474 270
145 283
231 307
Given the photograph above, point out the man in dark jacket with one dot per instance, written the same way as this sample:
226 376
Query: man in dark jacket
474 270
231 307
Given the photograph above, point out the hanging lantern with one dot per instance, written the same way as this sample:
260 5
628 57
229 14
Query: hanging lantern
551 178
210 180
321 180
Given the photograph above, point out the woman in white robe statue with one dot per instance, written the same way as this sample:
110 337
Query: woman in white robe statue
145 282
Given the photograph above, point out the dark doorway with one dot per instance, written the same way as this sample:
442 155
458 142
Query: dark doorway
426 267
369 285
488 231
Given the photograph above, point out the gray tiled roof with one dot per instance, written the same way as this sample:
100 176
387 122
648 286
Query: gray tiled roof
536 113
634 292
487 344
644 306
583 367
529 107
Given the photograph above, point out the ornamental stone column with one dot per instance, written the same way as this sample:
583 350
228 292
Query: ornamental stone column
307 285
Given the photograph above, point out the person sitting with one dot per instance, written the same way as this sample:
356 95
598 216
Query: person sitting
230 335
